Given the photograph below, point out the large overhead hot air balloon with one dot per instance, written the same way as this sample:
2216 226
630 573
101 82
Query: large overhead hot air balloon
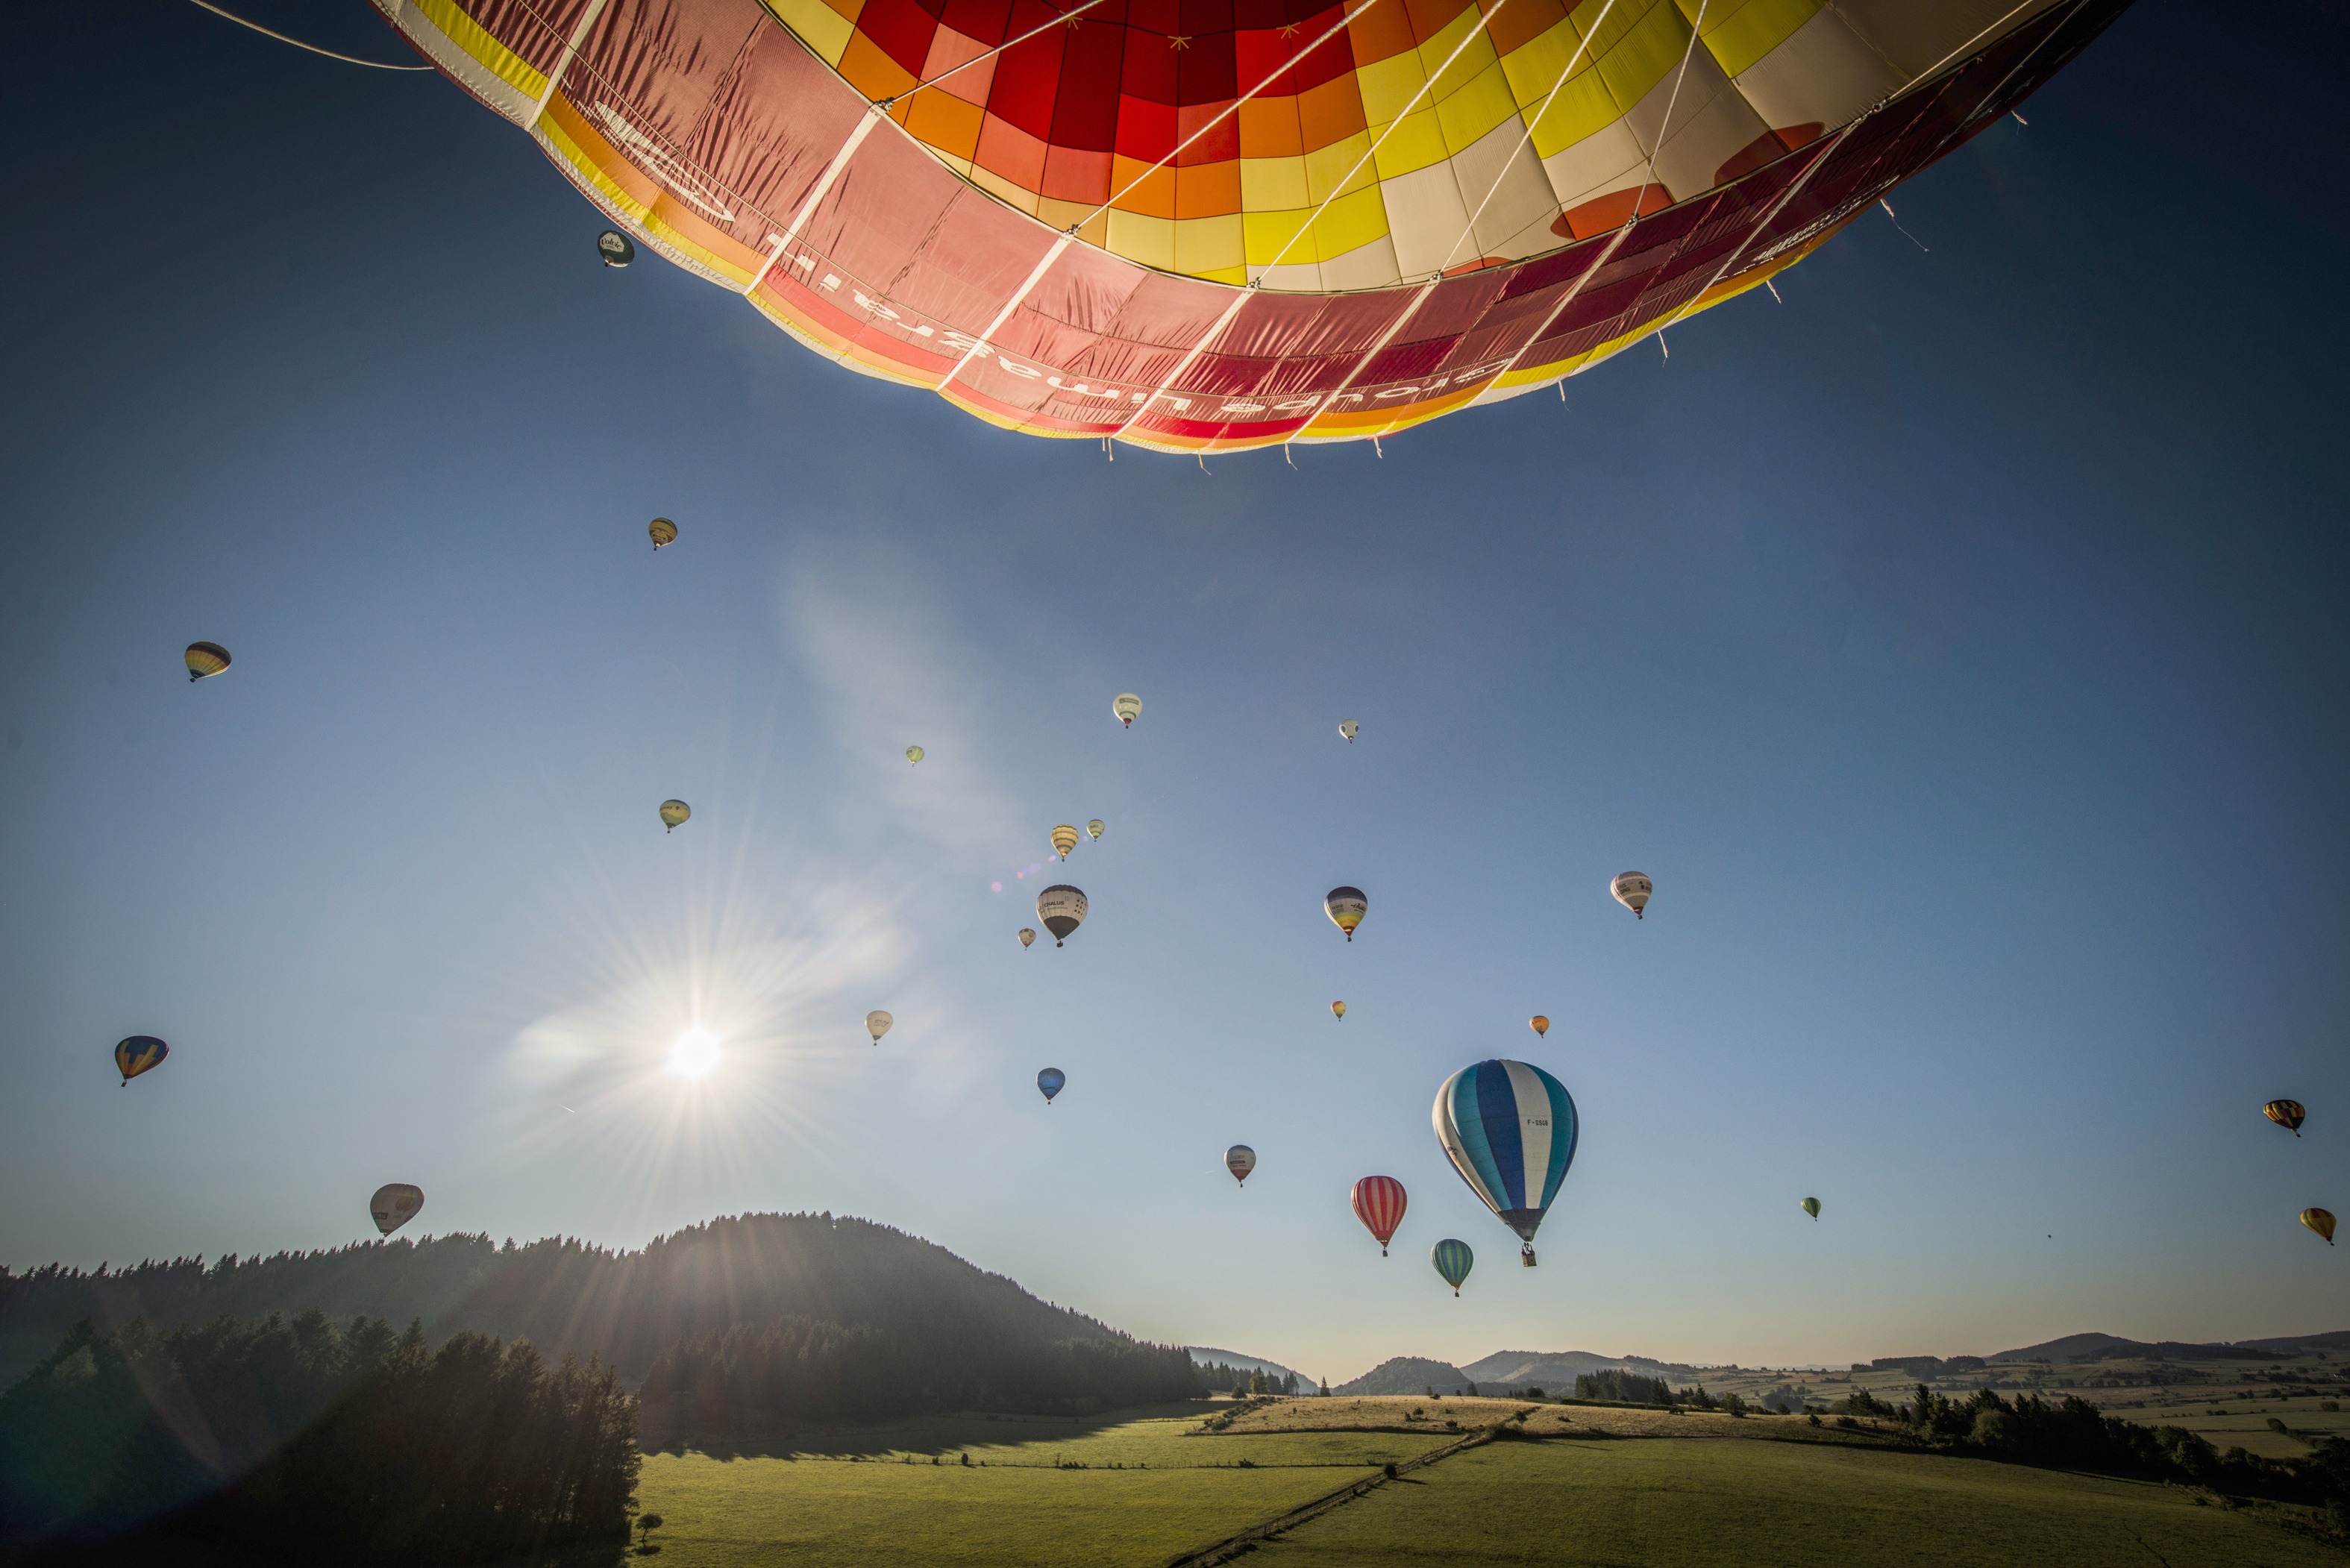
395 1204
139 1054
1126 708
877 1024
661 531
1026 936
1049 1080
1240 1160
1346 906
613 248
1509 1128
674 812
2286 1114
1632 890
1062 908
1213 228
1065 838
1379 1205
205 658
1349 729
2320 1220
1453 1261
1812 1207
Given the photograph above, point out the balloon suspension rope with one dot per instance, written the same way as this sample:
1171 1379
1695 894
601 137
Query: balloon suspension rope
348 59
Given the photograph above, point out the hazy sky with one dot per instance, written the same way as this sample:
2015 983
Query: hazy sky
1960 645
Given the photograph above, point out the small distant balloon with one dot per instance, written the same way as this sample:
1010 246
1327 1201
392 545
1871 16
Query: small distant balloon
1379 1204
1050 1080
1240 1160
1346 906
663 532
914 754
1812 1207
205 658
2320 1220
1349 729
1027 935
1127 709
1062 908
1340 1008
1097 827
139 1054
1539 1024
674 812
1632 890
1065 838
1453 1261
877 1024
614 248
2286 1114
394 1205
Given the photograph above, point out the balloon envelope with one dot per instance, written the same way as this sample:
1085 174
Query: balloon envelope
2286 1114
1349 729
1632 890
395 1204
662 531
1240 1160
138 1055
1453 1261
1510 1129
1027 935
205 658
1346 906
1097 827
674 812
1340 1008
1379 1205
1812 1207
2320 1220
1062 908
614 248
1065 838
1539 1024
914 754
1127 709
1050 1080
877 1024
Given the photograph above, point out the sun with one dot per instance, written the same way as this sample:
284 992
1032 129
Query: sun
693 1054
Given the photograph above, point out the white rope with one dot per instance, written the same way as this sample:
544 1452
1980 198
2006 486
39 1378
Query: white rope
979 345
1364 363
1240 297
570 50
348 59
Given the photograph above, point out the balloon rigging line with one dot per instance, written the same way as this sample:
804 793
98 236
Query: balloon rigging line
348 59
1062 18
570 50
1665 128
1897 223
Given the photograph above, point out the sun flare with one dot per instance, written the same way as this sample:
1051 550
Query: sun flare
693 1054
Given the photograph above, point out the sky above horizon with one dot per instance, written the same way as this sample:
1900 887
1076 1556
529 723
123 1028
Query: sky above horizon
1960 645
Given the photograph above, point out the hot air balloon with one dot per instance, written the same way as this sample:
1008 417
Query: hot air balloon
2320 1220
1127 709
1349 729
1346 906
1297 222
1065 838
1050 1080
1240 1160
614 249
1379 1204
1539 1024
877 1024
674 812
1509 1128
138 1055
395 1204
1340 1008
2286 1114
1452 1259
1097 827
205 658
914 755
1812 1207
1632 890
1026 936
1062 908
661 531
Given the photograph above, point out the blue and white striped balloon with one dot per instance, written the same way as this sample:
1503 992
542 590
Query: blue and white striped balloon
1509 1128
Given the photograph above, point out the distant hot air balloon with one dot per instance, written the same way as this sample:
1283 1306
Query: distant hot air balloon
1346 906
1240 1160
614 249
663 531
1379 1204
395 1204
1128 708
1510 1129
1349 729
1097 827
205 658
877 1024
674 812
1065 838
914 754
1812 1207
1050 1080
1340 1009
2320 1220
1027 935
1062 908
1632 890
2286 1114
138 1055
1452 1259
1539 1024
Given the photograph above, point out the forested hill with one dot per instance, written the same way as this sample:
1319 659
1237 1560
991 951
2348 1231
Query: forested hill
563 1295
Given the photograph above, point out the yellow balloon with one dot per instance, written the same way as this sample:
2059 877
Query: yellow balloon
674 812
1027 935
1065 838
914 754
1097 827
663 532
877 1024
2320 1220
1539 1024
1346 906
205 658
1340 1008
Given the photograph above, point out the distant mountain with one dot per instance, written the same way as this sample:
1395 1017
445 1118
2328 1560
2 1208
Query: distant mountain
2091 1346
1408 1375
1554 1372
1208 1356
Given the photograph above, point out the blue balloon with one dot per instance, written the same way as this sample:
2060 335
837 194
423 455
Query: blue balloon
1452 1259
1050 1080
1509 1128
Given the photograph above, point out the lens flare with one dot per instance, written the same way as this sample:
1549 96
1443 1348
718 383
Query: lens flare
693 1054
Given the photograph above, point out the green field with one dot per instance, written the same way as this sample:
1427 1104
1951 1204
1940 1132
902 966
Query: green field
1148 1492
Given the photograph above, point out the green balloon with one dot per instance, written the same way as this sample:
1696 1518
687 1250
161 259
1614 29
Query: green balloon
1812 1207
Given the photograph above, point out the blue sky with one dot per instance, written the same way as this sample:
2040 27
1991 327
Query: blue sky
1959 644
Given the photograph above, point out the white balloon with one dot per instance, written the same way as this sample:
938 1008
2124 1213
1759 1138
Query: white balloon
395 1204
1632 890
877 1024
1127 709
1240 1160
1349 729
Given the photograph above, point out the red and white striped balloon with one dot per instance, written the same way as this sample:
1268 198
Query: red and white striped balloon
1379 1204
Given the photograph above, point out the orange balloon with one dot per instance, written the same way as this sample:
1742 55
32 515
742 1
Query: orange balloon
1540 1025
2320 1220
